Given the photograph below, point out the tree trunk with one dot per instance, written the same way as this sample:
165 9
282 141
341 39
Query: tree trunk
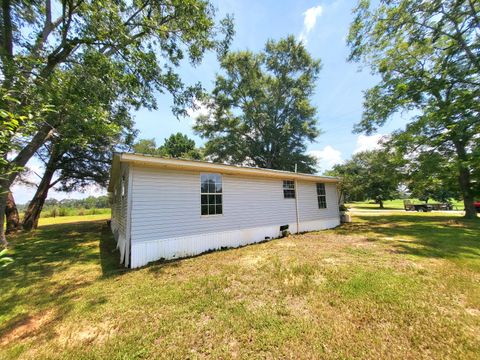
20 161
6 46
11 212
464 181
32 214
380 202
4 189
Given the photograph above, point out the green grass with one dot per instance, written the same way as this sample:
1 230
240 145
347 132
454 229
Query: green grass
396 204
389 285
63 211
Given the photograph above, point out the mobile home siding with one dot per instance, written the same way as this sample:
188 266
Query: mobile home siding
166 218
120 210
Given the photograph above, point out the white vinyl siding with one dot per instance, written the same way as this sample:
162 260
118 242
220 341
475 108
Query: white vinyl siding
120 206
167 204
119 200
308 203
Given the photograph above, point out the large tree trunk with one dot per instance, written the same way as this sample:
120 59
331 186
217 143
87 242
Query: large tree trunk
465 181
4 188
20 161
32 214
11 212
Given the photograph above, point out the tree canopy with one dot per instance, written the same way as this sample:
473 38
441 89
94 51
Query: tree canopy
142 43
260 110
372 175
427 56
176 145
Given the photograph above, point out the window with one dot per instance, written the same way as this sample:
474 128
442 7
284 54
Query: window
322 196
211 194
288 189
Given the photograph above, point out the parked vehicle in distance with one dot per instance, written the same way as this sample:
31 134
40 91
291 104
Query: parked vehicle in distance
424 207
410 206
477 205
442 206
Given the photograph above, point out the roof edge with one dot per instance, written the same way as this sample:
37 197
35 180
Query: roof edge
197 165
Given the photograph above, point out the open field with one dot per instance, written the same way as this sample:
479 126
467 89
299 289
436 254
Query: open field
386 286
396 204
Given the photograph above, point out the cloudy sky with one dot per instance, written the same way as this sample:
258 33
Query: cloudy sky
323 27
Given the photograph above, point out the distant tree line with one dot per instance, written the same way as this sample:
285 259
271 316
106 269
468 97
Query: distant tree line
385 174
90 202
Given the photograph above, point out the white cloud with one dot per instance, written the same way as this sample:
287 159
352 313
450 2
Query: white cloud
365 143
309 20
327 157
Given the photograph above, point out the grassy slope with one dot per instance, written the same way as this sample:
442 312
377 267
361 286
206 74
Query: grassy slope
388 286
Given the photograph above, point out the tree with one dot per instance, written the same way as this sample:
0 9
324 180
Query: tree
146 146
94 124
374 175
147 40
10 123
429 176
176 145
180 146
260 110
427 56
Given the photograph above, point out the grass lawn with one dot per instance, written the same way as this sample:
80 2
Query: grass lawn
386 286
396 204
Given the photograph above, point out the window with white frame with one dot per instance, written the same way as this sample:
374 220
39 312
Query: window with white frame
211 194
288 189
322 196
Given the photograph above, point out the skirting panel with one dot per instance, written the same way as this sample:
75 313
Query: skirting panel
179 247
120 238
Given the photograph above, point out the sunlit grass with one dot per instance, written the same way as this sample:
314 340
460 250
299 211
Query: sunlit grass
396 204
386 286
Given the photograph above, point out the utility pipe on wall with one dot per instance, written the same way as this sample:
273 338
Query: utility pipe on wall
296 201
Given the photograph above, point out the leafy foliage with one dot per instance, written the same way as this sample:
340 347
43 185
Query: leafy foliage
429 176
427 55
138 45
260 110
372 175
176 145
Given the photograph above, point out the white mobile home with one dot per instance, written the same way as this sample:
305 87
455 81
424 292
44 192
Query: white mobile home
171 208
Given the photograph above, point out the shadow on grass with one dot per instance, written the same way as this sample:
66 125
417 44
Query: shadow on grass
28 285
427 235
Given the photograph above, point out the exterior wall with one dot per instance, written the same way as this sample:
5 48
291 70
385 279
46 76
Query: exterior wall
166 221
120 211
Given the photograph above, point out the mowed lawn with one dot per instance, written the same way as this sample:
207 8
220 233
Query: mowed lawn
386 286
397 204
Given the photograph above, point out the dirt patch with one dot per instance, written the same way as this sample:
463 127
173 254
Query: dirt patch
251 260
27 327
85 333
472 311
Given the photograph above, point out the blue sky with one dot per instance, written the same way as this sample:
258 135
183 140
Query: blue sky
323 27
